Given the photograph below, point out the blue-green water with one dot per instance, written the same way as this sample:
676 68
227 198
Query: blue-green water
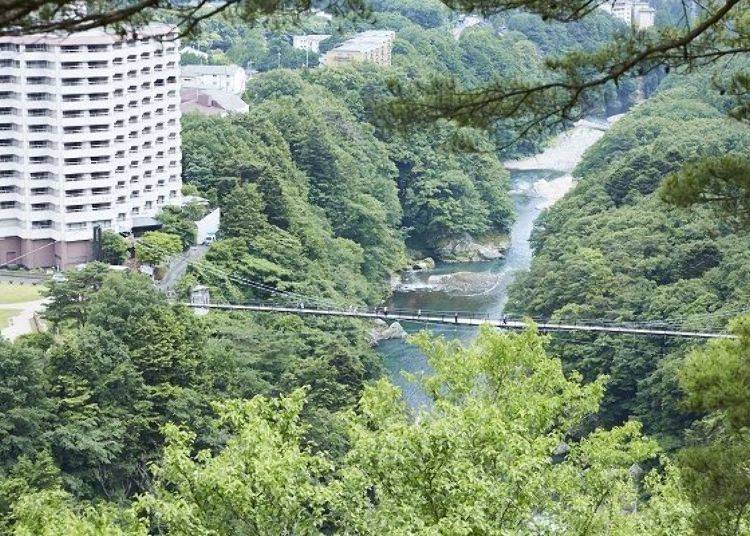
399 356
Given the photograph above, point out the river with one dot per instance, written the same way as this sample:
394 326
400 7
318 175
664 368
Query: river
537 183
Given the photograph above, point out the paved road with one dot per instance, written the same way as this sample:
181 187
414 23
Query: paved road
19 276
178 267
22 323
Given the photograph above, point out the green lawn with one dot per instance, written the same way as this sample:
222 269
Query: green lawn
17 293
5 316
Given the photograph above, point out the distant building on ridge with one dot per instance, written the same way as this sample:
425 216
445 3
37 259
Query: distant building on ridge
637 14
373 46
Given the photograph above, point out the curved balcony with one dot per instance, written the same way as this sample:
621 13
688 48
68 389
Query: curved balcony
84 56
42 82
94 168
85 120
82 136
48 167
40 71
41 55
45 183
12 165
44 214
18 197
53 198
13 213
82 104
53 232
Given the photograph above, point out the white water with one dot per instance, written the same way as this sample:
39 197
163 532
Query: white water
563 154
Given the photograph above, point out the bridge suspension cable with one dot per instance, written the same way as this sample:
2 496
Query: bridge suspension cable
463 320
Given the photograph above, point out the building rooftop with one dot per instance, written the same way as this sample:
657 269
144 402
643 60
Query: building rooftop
202 70
96 37
145 222
312 37
365 41
211 101
228 101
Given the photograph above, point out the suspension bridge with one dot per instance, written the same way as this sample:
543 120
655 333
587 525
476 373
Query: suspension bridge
200 299
463 319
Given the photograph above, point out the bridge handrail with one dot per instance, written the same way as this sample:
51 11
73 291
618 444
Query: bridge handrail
456 318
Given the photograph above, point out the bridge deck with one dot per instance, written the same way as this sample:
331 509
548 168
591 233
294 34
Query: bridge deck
457 319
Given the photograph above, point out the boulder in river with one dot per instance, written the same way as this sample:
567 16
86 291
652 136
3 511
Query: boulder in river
428 263
466 249
385 332
462 282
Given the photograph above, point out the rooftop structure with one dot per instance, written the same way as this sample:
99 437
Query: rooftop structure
89 137
374 46
230 78
211 102
195 52
309 42
637 14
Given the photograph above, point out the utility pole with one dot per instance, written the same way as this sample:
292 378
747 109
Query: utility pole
279 56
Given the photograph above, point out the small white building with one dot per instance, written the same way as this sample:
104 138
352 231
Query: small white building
229 78
643 16
309 42
322 14
466 22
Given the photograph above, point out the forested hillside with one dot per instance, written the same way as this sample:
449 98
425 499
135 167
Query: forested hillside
613 250
366 179
318 200
134 416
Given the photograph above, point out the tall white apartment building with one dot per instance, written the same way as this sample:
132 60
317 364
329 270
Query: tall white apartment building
89 136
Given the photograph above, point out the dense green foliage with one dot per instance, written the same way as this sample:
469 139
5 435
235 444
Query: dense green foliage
114 248
86 408
180 221
716 380
367 180
289 228
156 247
488 458
613 250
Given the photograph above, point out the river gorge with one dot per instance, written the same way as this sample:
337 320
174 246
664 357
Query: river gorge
482 287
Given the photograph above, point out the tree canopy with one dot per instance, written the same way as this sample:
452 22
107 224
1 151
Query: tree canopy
495 454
